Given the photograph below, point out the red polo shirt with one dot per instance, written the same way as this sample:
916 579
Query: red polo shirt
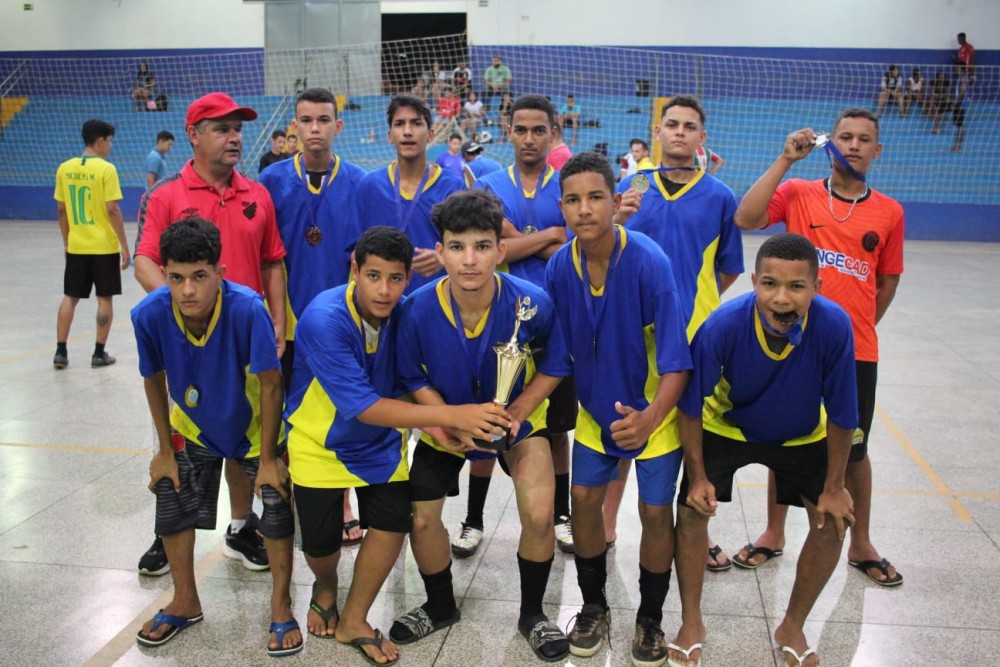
244 215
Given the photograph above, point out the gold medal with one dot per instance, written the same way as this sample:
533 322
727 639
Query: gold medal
314 235
192 396
530 229
640 182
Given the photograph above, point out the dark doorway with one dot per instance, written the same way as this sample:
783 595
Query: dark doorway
412 43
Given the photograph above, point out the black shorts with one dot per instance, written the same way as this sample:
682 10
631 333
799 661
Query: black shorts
287 363
563 408
86 271
194 506
800 471
867 374
433 473
321 514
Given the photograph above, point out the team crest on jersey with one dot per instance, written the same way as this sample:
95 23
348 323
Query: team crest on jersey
190 211
249 210
870 241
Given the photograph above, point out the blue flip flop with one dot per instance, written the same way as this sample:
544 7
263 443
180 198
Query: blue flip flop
176 623
280 629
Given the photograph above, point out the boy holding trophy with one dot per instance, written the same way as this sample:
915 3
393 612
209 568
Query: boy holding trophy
463 338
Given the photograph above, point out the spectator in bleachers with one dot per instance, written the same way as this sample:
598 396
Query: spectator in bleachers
277 151
452 159
506 102
446 114
958 113
940 98
144 84
419 90
915 93
965 59
892 91
559 152
461 79
569 116
156 166
435 79
472 115
498 78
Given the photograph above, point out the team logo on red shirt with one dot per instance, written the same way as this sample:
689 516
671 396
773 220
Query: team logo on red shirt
249 209
190 211
870 241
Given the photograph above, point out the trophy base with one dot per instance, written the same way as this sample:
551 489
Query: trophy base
500 445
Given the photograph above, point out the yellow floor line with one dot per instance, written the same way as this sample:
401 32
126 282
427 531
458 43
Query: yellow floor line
78 448
120 644
951 498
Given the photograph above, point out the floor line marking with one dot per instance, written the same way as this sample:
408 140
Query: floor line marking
935 479
77 448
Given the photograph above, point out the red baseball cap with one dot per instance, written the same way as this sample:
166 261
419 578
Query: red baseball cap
216 105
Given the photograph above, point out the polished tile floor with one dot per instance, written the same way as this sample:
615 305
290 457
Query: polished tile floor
76 515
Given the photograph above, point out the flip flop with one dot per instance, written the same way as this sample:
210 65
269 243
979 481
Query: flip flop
376 641
882 566
325 614
788 650
752 551
280 629
176 623
714 553
687 655
347 541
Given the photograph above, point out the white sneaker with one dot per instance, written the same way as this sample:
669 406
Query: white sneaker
466 542
564 534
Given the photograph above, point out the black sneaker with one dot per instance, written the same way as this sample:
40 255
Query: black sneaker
587 635
61 360
102 359
247 545
154 562
649 648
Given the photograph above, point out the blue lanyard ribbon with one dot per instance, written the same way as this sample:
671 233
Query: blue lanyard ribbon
404 220
474 358
595 307
832 153
794 333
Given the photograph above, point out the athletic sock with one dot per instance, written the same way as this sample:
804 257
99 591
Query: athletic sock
440 596
236 525
653 587
534 578
562 495
61 348
592 575
98 349
478 488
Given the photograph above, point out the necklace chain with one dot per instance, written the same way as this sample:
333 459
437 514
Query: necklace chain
829 191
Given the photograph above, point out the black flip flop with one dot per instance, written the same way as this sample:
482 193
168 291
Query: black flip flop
346 541
376 641
882 566
325 614
752 551
714 553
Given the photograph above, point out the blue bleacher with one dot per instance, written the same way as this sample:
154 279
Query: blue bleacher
748 136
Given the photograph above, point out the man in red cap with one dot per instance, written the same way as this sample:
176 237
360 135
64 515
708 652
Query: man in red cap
209 186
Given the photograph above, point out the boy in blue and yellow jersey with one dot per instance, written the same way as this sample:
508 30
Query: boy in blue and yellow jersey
403 194
468 312
343 432
773 383
212 342
87 193
313 195
533 230
617 302
689 214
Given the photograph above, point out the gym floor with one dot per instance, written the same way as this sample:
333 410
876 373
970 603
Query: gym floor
75 447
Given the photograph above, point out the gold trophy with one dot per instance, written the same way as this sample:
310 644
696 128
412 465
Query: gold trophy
511 359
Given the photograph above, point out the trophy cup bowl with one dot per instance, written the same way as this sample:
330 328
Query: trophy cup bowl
511 359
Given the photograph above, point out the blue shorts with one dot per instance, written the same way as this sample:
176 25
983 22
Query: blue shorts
657 477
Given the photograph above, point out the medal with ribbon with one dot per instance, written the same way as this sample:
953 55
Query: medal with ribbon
404 218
